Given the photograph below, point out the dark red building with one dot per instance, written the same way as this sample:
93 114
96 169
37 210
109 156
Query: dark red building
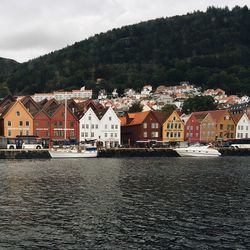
140 127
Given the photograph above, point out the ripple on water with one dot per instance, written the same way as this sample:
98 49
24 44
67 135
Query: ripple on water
134 203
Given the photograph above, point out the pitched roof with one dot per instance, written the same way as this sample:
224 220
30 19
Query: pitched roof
161 116
135 118
217 114
100 112
237 117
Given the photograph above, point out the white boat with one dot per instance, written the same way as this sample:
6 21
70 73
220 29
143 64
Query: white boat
87 152
198 151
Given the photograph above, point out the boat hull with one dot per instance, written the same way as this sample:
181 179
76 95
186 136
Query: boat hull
85 154
185 152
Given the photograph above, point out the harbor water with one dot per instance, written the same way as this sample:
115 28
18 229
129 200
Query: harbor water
125 203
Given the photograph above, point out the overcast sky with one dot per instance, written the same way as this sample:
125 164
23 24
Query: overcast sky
30 28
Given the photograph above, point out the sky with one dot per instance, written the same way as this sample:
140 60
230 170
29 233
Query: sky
31 28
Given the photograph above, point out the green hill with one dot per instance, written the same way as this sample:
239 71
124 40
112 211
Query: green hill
210 49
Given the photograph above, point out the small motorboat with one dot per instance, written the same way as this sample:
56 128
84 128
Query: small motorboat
198 151
74 152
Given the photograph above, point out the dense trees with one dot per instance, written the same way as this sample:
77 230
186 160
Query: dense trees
136 107
210 49
198 103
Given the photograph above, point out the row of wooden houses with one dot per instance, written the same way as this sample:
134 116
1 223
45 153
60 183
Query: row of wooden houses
207 126
84 121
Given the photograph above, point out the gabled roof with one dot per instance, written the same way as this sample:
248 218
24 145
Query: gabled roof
134 118
25 100
162 116
5 109
100 113
237 117
217 114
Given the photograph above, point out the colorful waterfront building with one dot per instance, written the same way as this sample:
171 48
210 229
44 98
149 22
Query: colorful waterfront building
192 127
173 128
141 127
15 120
242 124
208 129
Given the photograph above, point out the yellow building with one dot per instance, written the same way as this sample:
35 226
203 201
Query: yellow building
173 128
16 120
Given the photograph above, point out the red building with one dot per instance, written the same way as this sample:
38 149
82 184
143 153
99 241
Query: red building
58 128
140 127
42 125
192 126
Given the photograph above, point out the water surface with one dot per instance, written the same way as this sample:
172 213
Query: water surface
127 203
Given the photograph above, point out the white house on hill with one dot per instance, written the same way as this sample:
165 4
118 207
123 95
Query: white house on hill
242 126
102 126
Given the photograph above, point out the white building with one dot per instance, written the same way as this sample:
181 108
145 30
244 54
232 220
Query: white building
103 126
61 95
146 90
242 126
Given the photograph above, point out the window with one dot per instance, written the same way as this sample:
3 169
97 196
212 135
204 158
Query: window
112 126
89 118
116 126
27 132
83 126
20 123
86 134
167 134
145 125
27 123
106 126
96 126
9 123
145 134
72 124
92 125
110 118
82 134
106 134
168 125
154 134
18 113
9 132
36 123
71 133
115 134
221 126
20 132
92 134
60 123
87 125
111 134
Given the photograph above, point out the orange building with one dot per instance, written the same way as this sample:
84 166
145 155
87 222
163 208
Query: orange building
208 129
16 120
224 125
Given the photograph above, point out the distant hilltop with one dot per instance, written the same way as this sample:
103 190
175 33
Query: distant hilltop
209 49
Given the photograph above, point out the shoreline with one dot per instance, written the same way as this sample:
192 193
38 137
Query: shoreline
114 152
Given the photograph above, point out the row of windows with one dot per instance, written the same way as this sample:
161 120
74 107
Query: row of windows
61 124
61 133
153 125
96 126
229 127
174 125
173 134
192 127
242 127
241 135
110 118
153 134
190 135
21 132
92 135
27 123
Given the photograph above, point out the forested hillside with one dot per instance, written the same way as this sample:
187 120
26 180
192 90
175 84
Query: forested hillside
210 49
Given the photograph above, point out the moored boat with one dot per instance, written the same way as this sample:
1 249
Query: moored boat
198 151
75 152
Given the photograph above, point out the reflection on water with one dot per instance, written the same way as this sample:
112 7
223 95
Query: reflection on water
134 203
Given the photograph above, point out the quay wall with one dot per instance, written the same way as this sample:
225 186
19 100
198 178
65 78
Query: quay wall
114 152
24 154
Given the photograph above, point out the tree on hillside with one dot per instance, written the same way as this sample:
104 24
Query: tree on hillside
168 108
135 108
198 103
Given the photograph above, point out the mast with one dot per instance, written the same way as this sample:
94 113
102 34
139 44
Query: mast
65 117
